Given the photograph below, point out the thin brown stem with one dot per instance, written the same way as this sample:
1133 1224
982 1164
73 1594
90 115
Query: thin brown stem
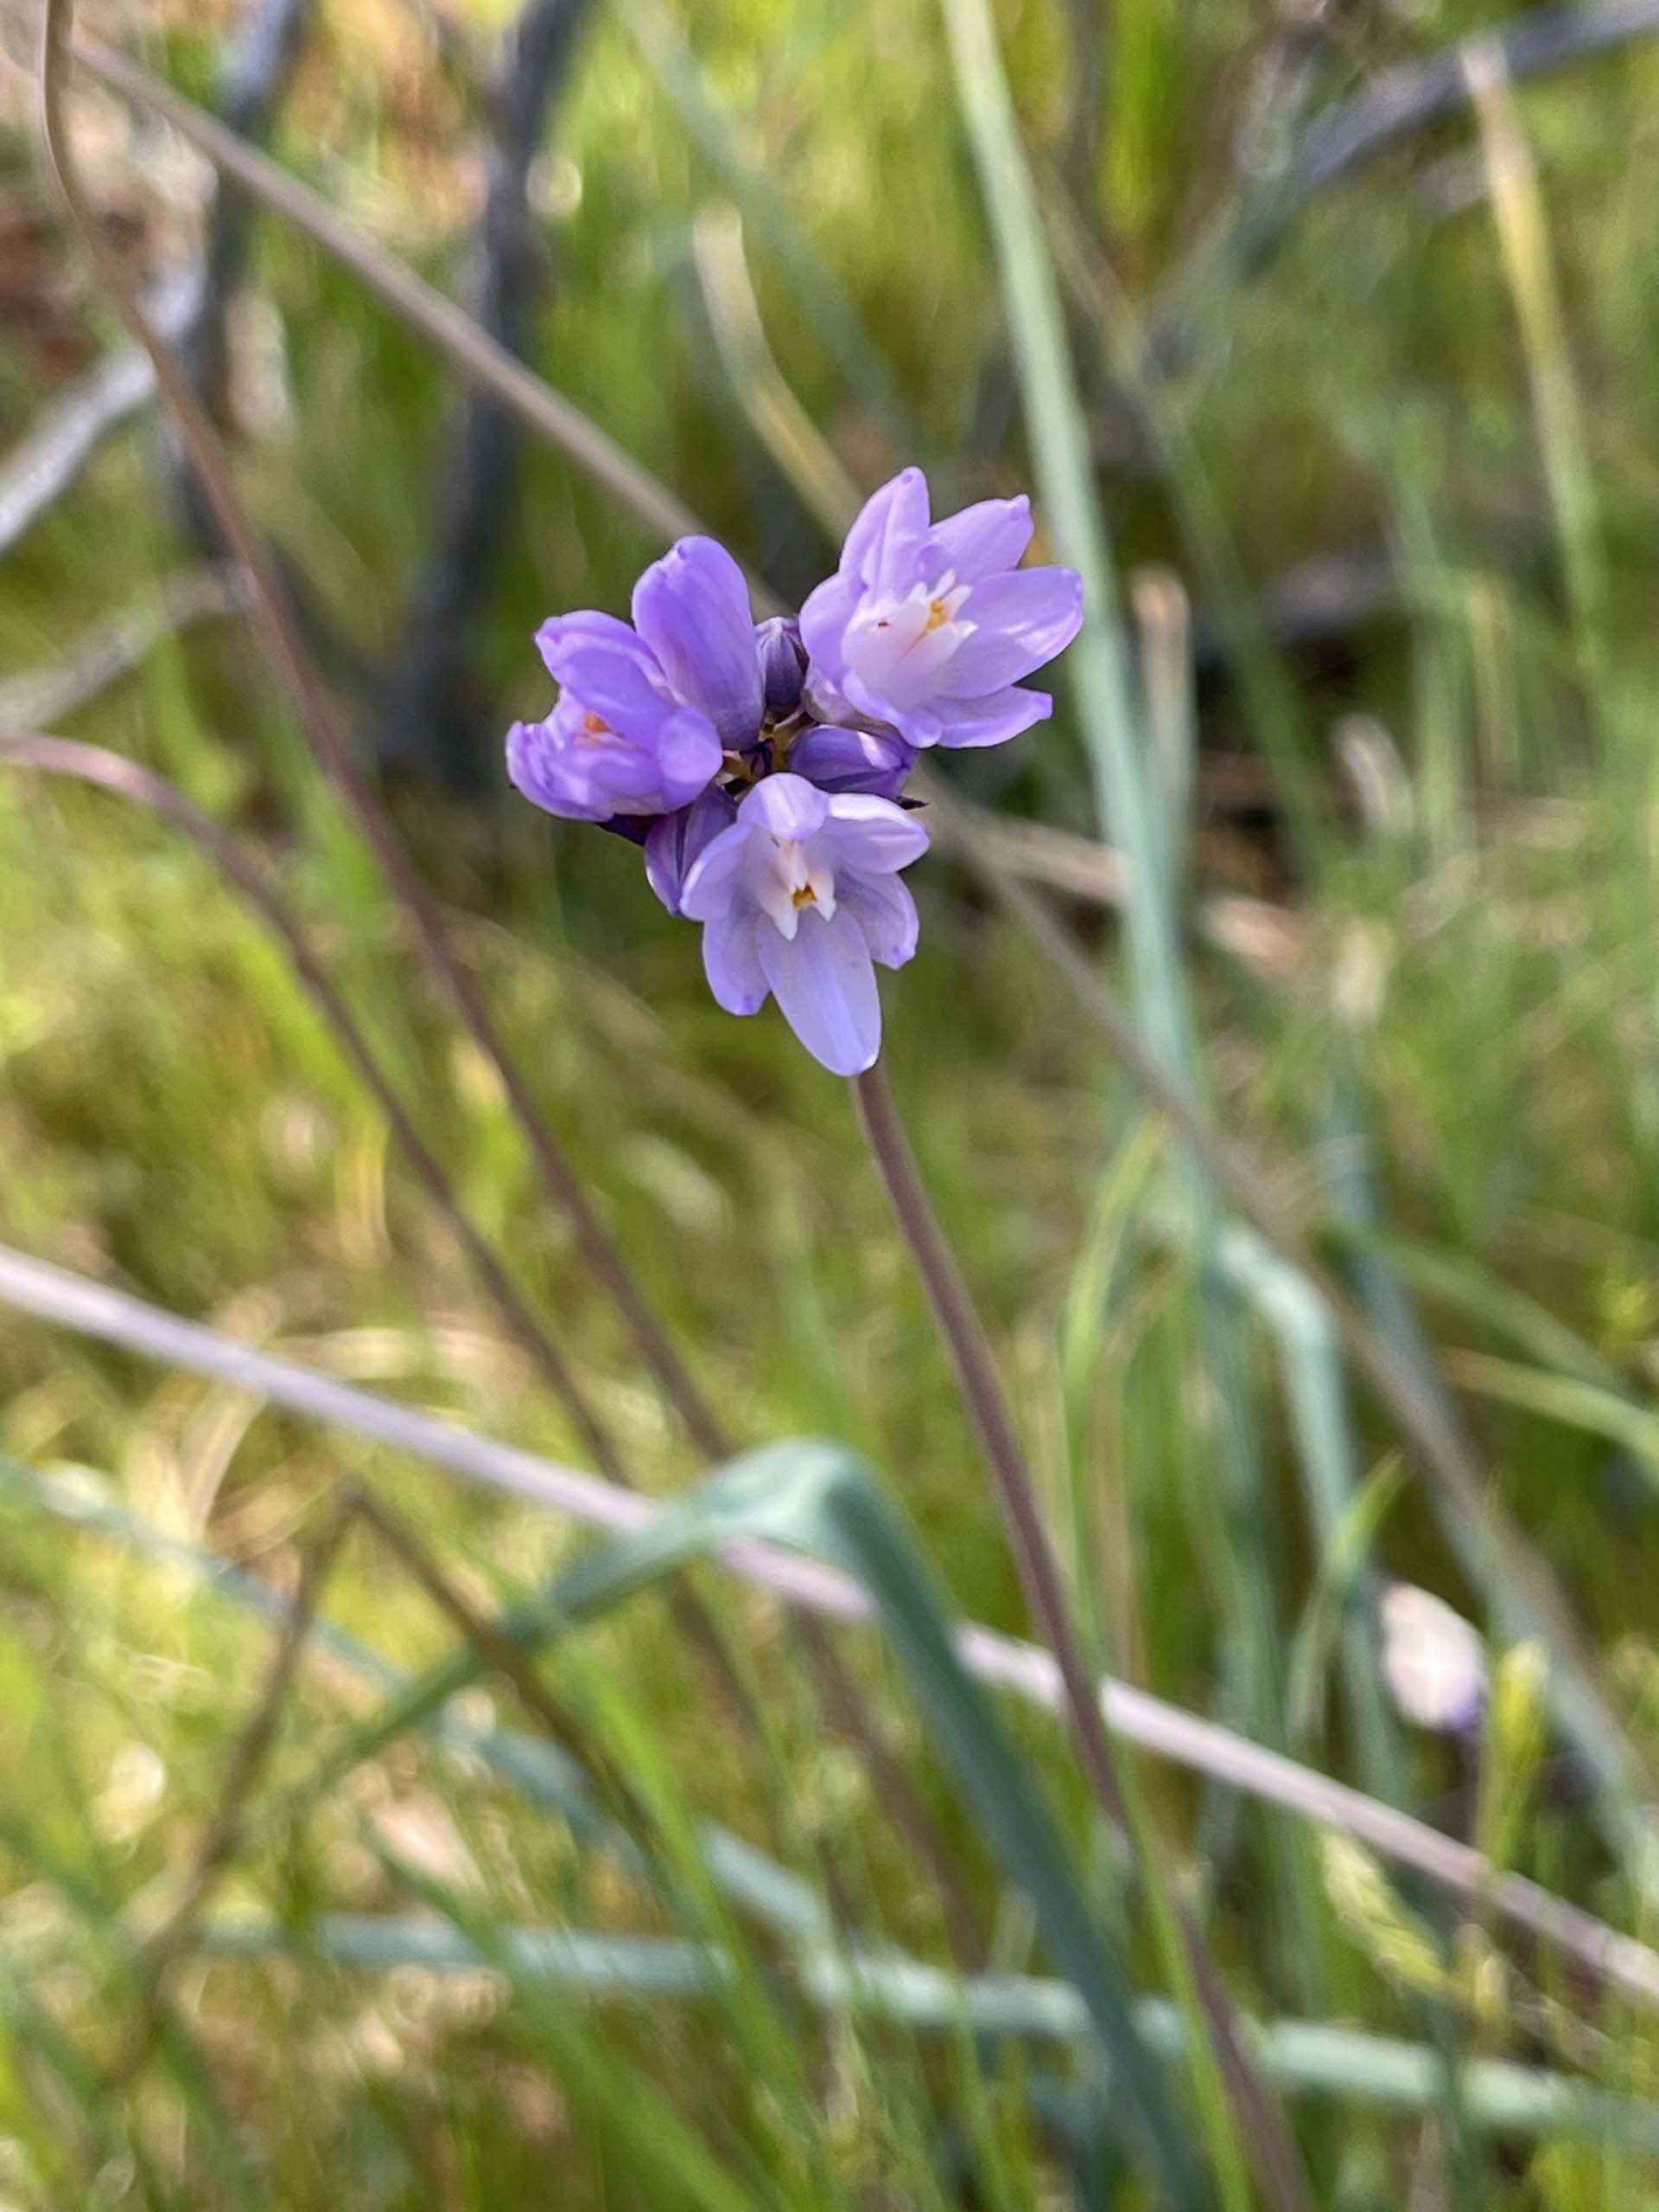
1262 2120
974 1368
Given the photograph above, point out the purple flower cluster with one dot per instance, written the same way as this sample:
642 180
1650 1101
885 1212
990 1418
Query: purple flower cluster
762 766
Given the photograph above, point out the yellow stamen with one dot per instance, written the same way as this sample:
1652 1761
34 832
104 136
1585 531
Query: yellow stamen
595 725
938 614
804 895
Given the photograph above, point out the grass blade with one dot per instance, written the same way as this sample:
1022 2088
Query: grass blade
1304 2055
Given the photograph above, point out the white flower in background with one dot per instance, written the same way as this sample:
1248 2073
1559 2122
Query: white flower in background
1433 1661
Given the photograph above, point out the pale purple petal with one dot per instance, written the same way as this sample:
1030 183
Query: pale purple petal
677 840
881 544
824 625
688 756
561 634
825 987
872 835
614 685
557 766
692 610
536 768
709 887
1021 620
588 767
982 540
886 912
785 806
731 961
990 720
852 760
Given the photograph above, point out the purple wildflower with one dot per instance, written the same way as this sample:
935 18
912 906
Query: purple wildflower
760 765
645 713
928 627
797 898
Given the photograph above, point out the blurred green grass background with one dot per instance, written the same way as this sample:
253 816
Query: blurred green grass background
1470 999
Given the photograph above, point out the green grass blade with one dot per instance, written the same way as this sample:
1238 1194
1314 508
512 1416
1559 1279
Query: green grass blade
1304 2055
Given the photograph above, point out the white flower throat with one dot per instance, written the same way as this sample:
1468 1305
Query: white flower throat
793 879
899 646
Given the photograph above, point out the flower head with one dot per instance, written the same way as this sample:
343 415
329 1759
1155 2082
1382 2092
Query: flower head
797 898
927 628
1433 1661
760 765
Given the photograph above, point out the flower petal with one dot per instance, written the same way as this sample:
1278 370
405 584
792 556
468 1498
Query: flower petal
988 721
982 540
732 963
709 889
882 545
872 835
785 806
562 634
538 768
677 840
824 627
825 987
1020 620
886 912
852 760
692 609
688 756
622 687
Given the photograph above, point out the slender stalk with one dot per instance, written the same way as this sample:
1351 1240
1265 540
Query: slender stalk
1262 2122
971 1358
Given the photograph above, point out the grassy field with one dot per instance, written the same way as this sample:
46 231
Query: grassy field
622 1924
